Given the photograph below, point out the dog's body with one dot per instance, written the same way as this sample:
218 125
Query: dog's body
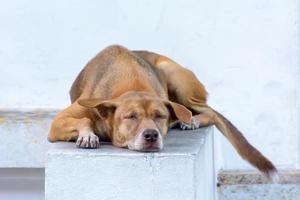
132 97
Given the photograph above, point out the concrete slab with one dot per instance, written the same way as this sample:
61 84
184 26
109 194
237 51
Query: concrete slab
183 170
24 138
22 184
260 192
251 185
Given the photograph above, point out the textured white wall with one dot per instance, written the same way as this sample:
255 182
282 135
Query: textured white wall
245 52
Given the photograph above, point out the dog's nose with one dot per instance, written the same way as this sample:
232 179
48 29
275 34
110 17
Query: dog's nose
150 135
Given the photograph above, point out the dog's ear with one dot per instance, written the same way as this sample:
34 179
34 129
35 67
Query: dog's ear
105 108
89 103
178 111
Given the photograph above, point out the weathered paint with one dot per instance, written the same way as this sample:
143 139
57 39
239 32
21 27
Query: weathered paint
260 192
254 177
241 185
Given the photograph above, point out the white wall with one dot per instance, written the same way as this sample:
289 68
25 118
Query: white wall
245 52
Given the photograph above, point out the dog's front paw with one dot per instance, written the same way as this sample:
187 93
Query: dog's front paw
194 124
88 140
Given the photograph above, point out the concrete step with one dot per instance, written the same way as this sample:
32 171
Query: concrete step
182 171
22 184
251 185
23 151
24 138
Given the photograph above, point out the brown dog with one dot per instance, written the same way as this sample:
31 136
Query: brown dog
132 97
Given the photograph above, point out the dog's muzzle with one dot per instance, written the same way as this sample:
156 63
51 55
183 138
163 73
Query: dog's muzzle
148 140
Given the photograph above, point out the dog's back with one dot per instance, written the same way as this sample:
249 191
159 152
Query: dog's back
98 78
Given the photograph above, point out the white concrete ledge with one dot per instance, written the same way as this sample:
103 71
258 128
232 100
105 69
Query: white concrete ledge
24 138
182 171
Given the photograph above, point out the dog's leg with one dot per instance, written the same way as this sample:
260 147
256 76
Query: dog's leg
197 121
78 127
71 129
204 115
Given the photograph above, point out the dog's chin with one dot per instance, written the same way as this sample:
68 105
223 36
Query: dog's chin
147 147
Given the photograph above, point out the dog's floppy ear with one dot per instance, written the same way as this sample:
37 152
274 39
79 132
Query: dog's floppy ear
105 108
179 112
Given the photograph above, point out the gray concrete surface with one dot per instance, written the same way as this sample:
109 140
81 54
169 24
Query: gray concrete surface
22 184
260 192
23 138
251 185
182 171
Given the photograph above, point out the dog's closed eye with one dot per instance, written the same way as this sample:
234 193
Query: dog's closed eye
159 115
131 116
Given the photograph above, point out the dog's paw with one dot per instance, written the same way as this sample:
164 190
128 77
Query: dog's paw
194 124
88 140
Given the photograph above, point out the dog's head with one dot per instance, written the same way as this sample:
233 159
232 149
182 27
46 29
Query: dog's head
138 120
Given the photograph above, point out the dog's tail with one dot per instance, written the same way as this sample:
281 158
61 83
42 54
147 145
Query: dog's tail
242 146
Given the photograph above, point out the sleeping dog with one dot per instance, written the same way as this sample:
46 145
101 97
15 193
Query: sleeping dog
131 98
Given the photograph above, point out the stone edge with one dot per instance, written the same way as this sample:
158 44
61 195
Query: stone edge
226 178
